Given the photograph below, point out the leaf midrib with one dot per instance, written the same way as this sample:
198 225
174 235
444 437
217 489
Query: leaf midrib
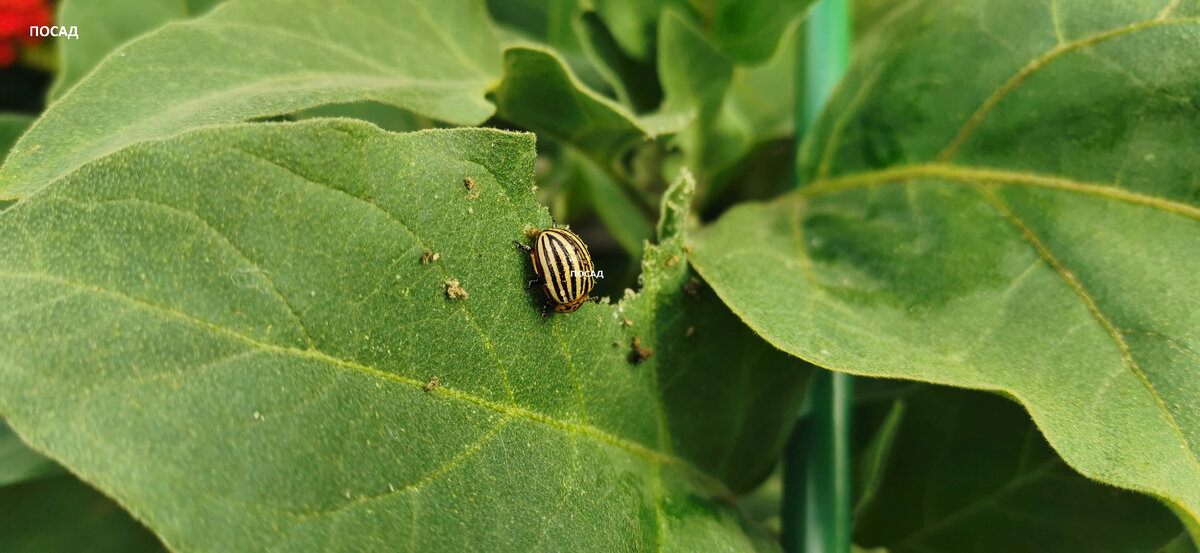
1093 308
1037 64
274 289
387 214
654 456
978 175
1020 77
979 179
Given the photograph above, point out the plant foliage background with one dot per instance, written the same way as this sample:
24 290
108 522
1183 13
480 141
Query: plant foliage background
221 309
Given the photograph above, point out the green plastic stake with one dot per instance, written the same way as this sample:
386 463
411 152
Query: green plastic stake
817 471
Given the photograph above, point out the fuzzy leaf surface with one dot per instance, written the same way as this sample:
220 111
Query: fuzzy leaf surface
250 59
231 333
1018 213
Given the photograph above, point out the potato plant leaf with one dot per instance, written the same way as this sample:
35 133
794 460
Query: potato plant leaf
236 332
255 58
1028 224
106 24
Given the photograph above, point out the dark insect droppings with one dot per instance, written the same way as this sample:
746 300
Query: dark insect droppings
639 353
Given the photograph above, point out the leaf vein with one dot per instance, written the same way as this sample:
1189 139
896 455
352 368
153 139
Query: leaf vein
471 316
346 52
981 175
574 374
266 275
570 482
1093 307
654 456
1036 65
433 475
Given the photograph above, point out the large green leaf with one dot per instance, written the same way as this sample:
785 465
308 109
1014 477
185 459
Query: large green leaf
1019 212
112 23
253 58
230 332
106 25
968 471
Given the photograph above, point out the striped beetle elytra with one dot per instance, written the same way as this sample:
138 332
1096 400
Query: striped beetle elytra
563 267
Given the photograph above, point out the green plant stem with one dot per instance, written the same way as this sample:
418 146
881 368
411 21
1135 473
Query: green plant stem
817 498
826 51
816 477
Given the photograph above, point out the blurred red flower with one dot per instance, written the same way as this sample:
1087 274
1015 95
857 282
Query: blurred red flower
16 17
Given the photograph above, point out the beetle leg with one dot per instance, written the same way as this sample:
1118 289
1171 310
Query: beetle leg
544 307
523 247
594 299
532 282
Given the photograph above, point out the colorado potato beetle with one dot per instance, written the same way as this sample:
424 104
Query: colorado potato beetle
563 267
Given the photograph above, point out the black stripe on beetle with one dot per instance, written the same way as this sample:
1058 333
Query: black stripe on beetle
572 283
583 276
561 280
563 266
556 269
